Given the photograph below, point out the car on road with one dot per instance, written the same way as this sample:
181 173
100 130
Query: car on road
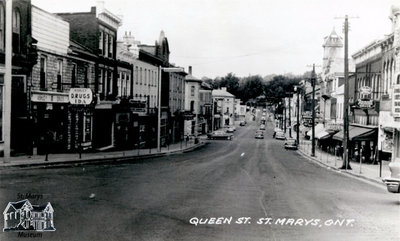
263 114
222 135
291 144
230 129
280 135
242 123
393 182
262 127
259 134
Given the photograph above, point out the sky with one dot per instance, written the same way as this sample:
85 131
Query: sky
245 37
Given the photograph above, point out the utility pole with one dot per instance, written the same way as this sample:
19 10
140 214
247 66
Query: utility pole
7 83
346 163
313 111
290 118
284 106
298 116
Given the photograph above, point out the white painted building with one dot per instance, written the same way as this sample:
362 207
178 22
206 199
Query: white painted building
225 107
192 103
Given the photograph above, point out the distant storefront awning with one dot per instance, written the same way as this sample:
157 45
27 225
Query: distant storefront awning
357 133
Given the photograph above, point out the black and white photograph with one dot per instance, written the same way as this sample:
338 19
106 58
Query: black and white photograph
200 120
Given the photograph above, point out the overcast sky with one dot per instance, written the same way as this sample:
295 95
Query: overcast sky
245 37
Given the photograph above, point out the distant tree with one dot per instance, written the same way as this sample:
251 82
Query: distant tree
251 87
231 82
277 88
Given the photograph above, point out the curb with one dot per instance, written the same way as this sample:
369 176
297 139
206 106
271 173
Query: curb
99 160
350 174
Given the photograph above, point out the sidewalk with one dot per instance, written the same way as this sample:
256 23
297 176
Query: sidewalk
366 171
68 159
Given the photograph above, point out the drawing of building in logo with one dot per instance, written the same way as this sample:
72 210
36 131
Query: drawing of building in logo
22 215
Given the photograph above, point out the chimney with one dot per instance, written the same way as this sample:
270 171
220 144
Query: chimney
190 70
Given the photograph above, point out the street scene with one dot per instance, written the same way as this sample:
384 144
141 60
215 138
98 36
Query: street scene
118 124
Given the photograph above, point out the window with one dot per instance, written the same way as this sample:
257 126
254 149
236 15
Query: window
43 68
86 80
192 88
136 74
2 27
110 45
100 81
16 28
140 75
119 84
105 44
109 82
59 74
145 77
73 76
101 41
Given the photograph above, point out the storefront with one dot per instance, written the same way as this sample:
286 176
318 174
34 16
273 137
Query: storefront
362 140
51 123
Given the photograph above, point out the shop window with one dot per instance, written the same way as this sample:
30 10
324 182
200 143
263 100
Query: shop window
2 27
87 127
43 69
16 28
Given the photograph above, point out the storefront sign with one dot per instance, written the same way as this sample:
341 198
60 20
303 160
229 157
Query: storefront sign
188 115
365 90
365 103
49 97
396 101
80 96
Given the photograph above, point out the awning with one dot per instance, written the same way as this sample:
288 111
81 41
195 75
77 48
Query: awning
318 128
322 134
357 133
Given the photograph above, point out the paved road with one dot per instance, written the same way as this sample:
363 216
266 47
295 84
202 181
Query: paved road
243 178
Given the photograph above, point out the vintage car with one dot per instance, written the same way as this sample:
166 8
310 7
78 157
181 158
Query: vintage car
259 134
291 144
280 135
242 123
220 135
393 182
230 129
262 127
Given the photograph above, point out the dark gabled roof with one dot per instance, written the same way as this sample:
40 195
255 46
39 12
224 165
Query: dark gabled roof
19 204
39 208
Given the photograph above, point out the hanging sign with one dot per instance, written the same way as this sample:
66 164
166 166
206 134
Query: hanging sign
80 96
365 104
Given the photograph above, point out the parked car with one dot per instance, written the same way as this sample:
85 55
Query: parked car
280 135
393 182
262 127
220 135
276 130
291 144
230 128
242 123
259 135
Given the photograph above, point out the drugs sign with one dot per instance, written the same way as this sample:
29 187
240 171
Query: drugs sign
80 96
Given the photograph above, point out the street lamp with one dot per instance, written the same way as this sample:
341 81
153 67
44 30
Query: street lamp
168 70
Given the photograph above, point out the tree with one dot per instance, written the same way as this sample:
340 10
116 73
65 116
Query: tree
277 88
251 87
231 82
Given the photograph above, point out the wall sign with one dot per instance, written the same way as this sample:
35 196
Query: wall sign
80 96
396 101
